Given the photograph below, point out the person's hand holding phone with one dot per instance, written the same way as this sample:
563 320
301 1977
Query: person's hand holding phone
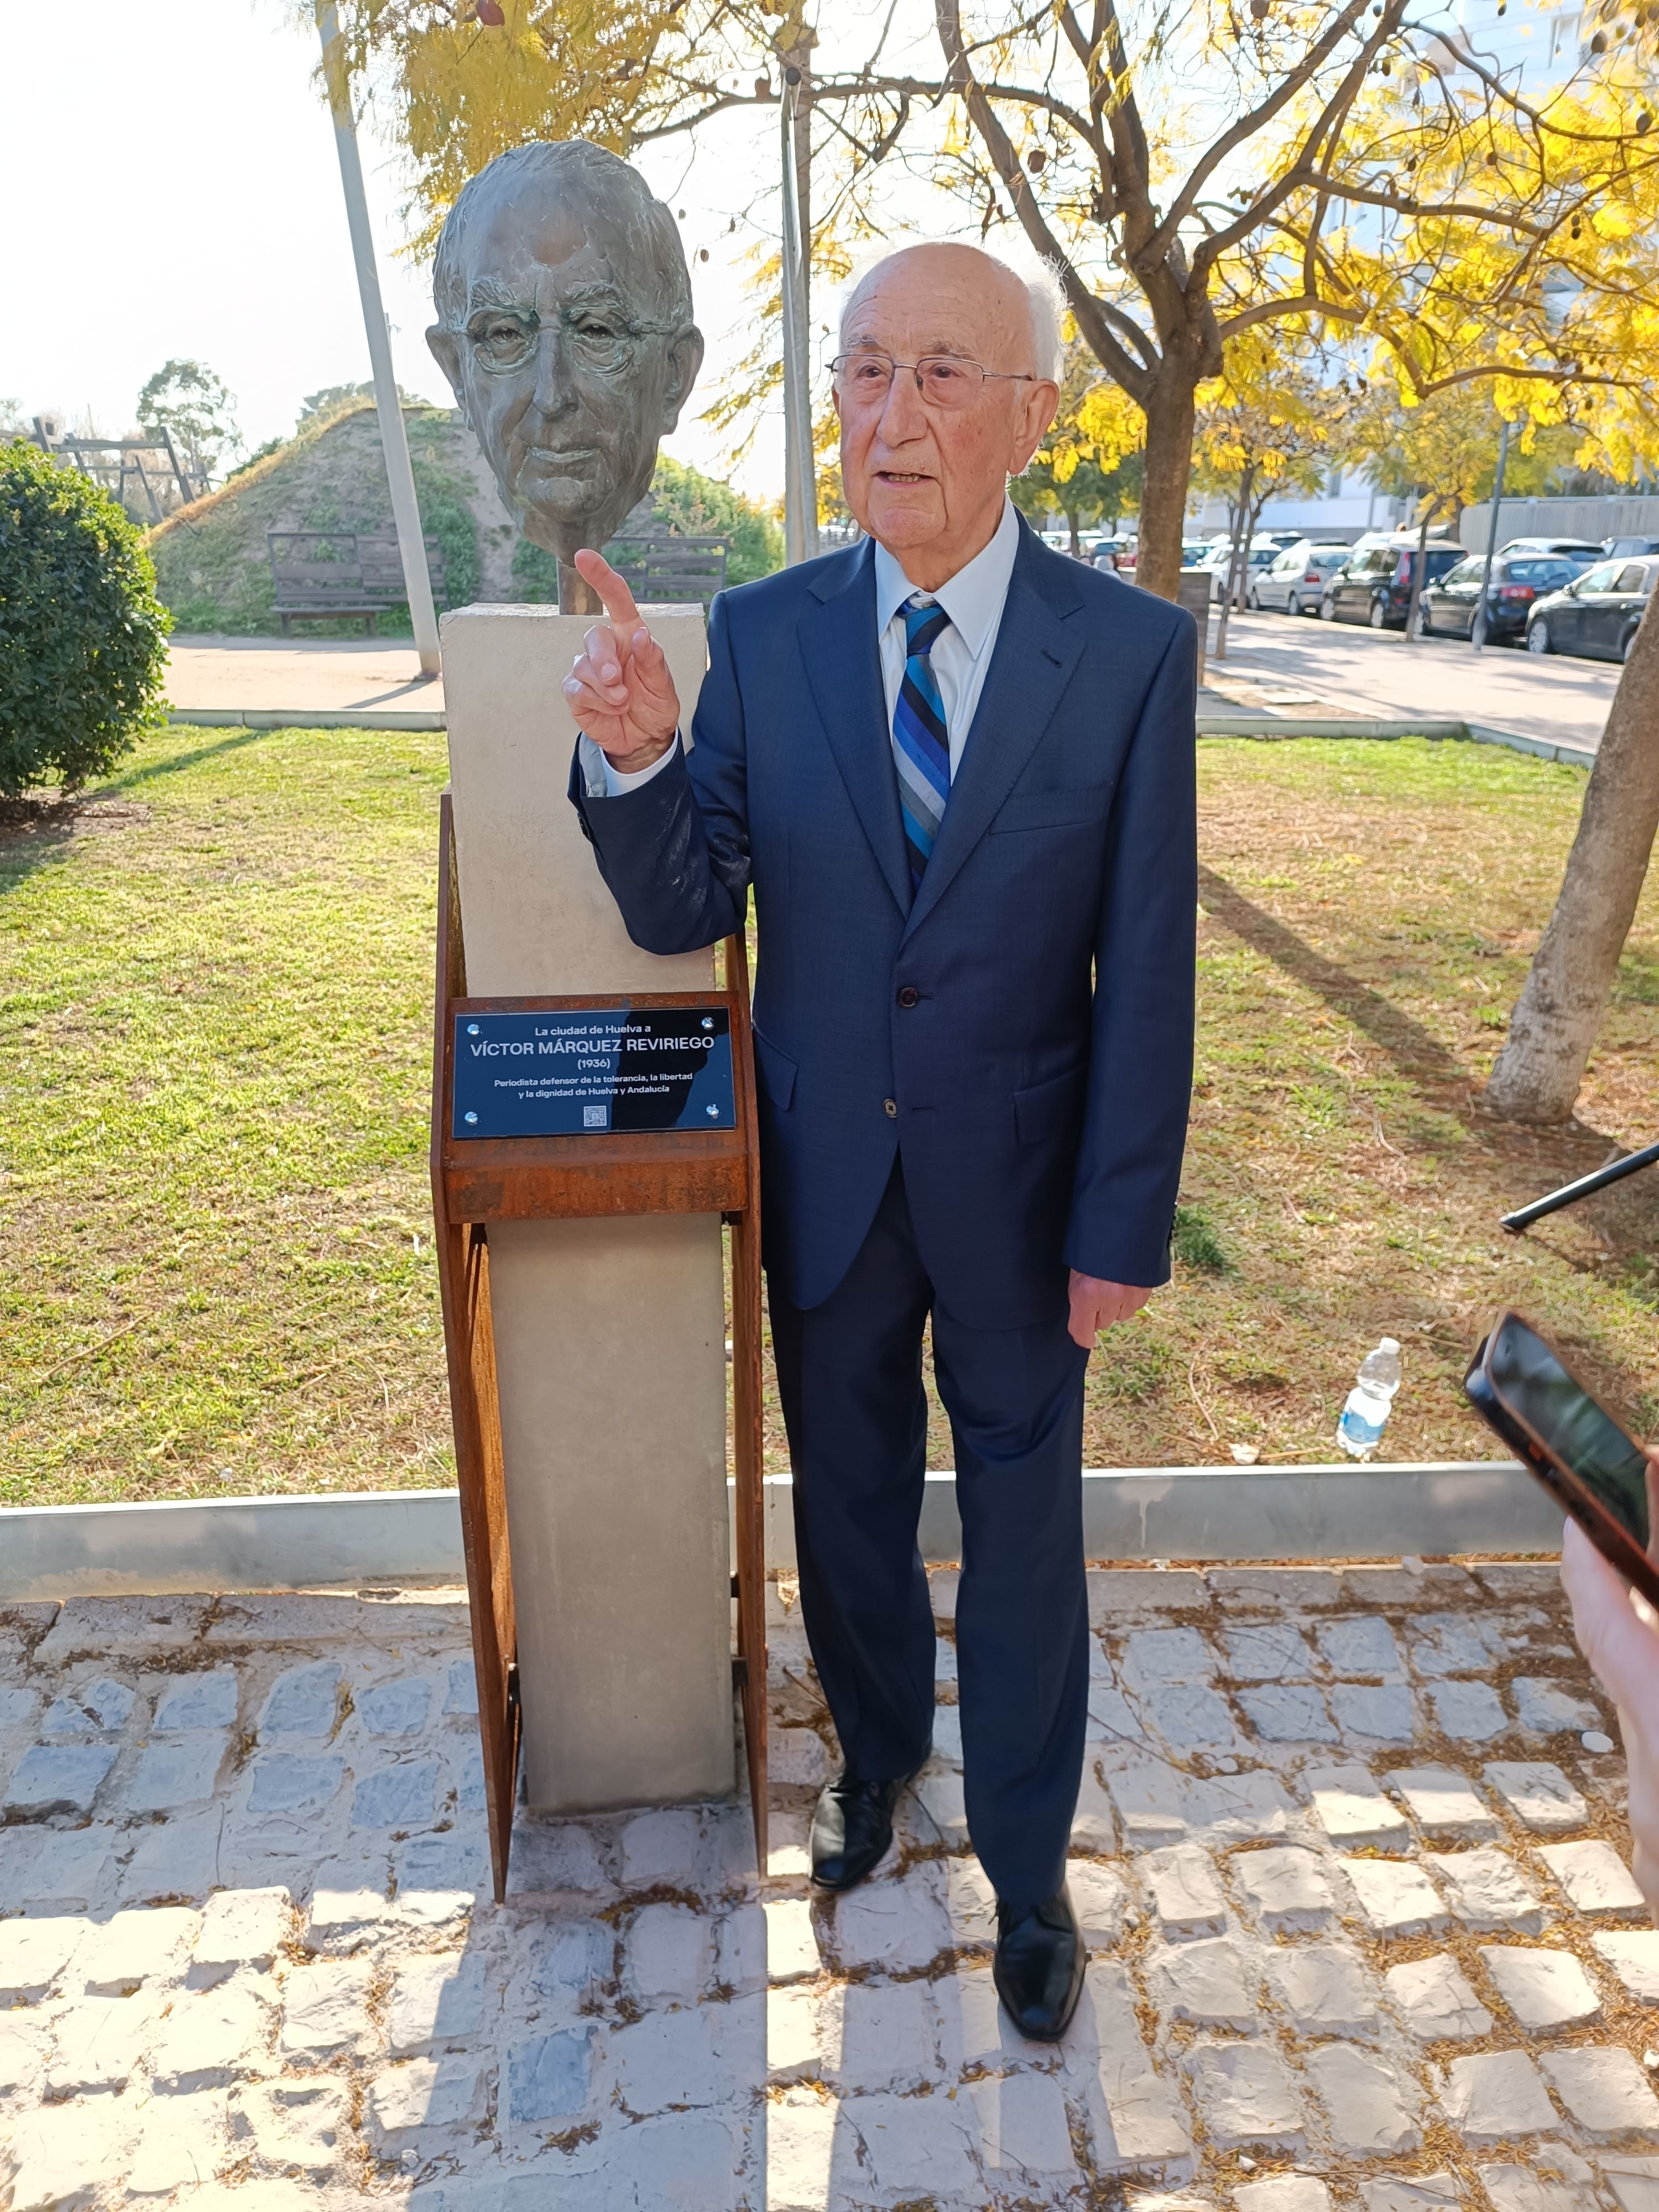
1618 1632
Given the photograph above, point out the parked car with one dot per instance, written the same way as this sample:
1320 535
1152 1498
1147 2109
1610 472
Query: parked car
1108 552
1448 606
1595 615
1261 554
1579 550
1293 583
1628 548
1374 584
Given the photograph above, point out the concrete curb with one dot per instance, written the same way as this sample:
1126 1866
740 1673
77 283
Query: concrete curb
1345 1512
310 718
1479 733
1244 725
1435 1509
1209 725
1571 756
230 1544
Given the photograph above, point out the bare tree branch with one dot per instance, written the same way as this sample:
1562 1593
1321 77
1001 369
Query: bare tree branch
1085 306
1247 126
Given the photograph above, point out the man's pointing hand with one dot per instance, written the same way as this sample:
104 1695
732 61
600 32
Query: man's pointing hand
620 693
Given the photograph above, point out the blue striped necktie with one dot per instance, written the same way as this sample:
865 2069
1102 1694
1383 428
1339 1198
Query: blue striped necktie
921 744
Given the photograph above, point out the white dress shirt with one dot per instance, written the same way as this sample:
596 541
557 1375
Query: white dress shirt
974 598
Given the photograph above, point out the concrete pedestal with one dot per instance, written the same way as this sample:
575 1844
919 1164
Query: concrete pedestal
610 1335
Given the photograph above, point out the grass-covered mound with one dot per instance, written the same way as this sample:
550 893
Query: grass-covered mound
214 572
212 566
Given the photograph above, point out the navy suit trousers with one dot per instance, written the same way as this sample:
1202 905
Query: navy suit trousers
849 1373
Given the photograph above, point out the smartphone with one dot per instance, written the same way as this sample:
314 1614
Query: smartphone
1592 1469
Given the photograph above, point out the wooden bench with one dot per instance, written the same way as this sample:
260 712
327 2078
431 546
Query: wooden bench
659 569
340 575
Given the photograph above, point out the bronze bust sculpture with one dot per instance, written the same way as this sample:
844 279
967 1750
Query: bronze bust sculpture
564 327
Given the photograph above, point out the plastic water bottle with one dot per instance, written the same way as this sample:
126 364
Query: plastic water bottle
1360 1428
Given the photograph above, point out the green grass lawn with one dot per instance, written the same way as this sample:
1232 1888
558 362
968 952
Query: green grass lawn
215 1025
214 1060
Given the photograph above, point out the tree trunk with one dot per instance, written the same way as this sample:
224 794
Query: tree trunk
1565 993
1420 566
1071 524
1230 589
1170 412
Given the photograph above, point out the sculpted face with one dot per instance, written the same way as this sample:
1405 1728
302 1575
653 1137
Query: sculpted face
565 332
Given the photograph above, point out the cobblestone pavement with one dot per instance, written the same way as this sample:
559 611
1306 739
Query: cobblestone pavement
1362 1929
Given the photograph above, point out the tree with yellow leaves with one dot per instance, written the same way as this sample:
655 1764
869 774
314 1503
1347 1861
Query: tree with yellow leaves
1194 172
454 82
453 86
1441 453
1198 173
1270 423
1088 466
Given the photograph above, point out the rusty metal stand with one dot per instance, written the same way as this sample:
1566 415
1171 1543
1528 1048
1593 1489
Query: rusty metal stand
550 1178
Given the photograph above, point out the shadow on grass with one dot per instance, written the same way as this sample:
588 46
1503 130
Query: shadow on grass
179 761
1528 1161
39 833
1414 1050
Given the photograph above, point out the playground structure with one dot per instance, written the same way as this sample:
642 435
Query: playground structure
147 474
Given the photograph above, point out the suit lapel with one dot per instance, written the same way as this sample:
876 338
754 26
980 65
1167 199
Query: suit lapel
1031 665
843 667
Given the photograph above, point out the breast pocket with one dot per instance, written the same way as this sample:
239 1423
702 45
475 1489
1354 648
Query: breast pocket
1054 810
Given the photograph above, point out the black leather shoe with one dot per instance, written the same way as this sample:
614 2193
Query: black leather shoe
852 1828
1038 1969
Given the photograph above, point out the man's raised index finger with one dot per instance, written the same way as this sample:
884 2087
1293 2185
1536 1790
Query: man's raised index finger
614 594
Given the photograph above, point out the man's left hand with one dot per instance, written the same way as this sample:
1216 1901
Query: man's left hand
1096 1305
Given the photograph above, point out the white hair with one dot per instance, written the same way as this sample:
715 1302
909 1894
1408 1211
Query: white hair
1044 297
1048 298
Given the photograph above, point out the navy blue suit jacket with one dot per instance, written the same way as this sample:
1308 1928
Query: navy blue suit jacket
1021 1031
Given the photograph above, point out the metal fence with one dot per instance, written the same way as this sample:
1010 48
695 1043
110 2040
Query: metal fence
1596 519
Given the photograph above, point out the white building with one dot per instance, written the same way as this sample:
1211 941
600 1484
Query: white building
1531 46
1350 505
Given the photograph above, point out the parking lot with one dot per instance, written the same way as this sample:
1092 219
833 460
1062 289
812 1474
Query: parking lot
1276 664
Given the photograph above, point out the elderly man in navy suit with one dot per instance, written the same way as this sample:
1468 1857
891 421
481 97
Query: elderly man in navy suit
958 770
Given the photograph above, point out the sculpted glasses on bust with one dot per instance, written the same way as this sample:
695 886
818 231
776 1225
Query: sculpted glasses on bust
564 328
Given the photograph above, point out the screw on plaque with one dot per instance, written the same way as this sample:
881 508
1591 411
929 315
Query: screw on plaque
472 1028
713 1112
469 1117
708 1021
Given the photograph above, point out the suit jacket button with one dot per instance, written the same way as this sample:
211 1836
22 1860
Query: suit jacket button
909 995
889 1107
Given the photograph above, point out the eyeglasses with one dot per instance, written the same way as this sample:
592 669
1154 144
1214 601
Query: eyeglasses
505 338
944 380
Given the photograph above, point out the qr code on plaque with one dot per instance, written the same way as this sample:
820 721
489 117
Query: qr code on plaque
593 1117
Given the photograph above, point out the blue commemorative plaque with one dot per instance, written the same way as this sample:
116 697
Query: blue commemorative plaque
589 1070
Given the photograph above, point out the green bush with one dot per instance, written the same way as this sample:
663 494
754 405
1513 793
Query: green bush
535 574
697 506
82 632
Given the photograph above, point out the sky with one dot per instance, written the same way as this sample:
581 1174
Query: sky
194 211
